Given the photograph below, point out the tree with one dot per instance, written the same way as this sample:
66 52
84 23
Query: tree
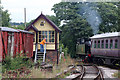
5 18
110 14
74 25
54 19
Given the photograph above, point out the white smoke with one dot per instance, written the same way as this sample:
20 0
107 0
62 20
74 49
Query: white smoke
91 15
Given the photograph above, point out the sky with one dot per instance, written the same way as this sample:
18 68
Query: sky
33 8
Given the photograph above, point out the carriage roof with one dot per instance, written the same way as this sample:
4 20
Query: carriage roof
105 35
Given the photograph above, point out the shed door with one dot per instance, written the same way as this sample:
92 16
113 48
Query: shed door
10 44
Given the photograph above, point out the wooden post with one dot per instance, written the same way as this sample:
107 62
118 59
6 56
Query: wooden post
25 17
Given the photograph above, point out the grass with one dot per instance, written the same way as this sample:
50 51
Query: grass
37 73
63 65
117 74
0 71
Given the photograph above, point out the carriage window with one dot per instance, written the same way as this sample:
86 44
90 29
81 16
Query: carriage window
95 44
106 43
102 45
99 44
111 43
116 43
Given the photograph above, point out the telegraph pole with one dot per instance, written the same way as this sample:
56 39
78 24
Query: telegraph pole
25 17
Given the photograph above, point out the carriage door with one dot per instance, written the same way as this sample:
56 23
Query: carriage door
10 44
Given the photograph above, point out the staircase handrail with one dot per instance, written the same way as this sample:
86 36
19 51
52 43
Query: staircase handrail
44 53
36 49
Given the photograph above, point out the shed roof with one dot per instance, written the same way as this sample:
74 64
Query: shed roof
48 20
14 30
104 35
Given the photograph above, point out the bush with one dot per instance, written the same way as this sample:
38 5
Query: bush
15 63
64 49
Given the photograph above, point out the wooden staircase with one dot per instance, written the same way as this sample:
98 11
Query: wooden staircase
40 56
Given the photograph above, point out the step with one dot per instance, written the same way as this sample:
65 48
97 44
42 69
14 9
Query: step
40 52
40 59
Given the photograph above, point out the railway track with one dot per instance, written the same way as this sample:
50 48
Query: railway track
86 72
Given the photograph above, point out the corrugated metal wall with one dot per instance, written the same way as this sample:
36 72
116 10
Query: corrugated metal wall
17 42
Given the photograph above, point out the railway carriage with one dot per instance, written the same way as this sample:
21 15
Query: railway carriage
106 48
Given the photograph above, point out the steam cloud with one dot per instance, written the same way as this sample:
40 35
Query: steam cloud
92 16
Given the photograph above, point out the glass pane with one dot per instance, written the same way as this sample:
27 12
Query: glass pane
102 45
52 32
98 44
111 43
49 32
39 32
95 45
116 42
42 32
106 43
52 40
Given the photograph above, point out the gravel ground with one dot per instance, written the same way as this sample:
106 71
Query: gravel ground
108 72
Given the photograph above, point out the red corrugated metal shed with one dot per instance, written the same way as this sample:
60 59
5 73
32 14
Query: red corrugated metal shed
13 41
0 47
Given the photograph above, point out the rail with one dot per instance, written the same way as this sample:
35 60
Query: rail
99 75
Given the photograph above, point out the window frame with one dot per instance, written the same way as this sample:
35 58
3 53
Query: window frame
45 34
51 36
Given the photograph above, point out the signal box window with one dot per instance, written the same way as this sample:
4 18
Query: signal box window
106 43
102 44
42 35
111 43
51 36
99 44
116 43
42 23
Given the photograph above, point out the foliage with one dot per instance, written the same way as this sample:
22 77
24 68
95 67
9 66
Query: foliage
64 49
30 22
74 25
5 18
15 63
54 19
109 15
